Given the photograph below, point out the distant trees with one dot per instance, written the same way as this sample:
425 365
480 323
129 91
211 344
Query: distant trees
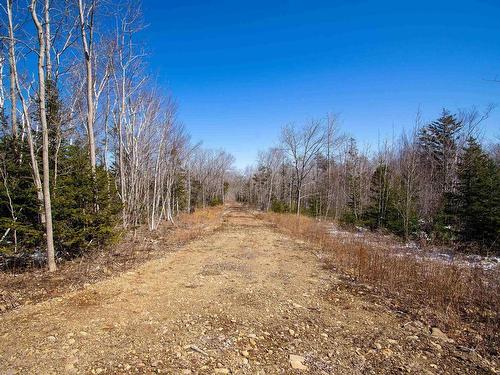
302 146
430 183
89 141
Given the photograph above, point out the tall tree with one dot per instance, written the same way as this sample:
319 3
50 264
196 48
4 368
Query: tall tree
86 14
376 212
13 72
302 145
45 137
439 144
478 197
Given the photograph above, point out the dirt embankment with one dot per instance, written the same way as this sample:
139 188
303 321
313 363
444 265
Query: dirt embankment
244 299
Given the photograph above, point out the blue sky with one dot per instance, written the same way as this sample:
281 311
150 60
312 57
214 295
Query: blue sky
240 70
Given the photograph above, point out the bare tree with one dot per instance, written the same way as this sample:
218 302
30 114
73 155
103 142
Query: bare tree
45 137
302 146
86 13
13 72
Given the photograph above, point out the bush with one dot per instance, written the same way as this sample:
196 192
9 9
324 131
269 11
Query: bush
85 211
215 202
279 206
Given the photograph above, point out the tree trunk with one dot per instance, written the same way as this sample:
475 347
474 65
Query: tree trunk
45 140
13 72
87 51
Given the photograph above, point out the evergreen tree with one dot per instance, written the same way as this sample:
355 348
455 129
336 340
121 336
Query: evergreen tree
438 150
438 142
353 188
478 198
19 216
376 212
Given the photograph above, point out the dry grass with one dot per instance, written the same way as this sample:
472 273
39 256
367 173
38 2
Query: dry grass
462 300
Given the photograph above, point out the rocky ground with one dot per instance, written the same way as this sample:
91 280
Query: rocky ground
244 299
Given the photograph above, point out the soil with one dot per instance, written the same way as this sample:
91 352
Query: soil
243 299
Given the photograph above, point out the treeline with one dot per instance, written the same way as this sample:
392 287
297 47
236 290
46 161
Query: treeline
437 183
88 143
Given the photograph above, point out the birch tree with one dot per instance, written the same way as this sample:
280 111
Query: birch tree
301 146
45 137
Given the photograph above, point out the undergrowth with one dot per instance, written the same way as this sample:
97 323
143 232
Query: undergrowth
463 300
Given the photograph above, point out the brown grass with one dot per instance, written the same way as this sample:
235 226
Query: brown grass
463 300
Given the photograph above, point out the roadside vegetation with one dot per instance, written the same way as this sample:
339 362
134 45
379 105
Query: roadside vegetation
462 300
437 184
435 187
90 147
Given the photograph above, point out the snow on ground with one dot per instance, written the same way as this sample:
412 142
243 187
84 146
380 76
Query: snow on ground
411 248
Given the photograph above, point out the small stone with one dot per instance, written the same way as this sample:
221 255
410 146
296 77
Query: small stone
51 338
99 370
436 345
244 361
186 371
297 362
83 333
387 352
437 333
291 332
377 346
70 368
391 341
245 353
71 341
222 371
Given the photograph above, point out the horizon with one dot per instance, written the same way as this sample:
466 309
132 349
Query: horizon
240 74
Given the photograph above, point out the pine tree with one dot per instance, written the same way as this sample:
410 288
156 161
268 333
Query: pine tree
353 180
376 212
438 150
438 142
478 198
78 227
19 220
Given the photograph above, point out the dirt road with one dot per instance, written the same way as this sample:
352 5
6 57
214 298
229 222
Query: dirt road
243 300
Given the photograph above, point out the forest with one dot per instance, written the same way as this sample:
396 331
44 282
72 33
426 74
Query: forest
90 146
213 187
436 182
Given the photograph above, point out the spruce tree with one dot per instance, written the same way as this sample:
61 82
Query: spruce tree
438 150
376 212
353 181
478 198
438 141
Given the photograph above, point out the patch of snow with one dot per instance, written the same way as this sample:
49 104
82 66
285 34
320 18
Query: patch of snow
411 248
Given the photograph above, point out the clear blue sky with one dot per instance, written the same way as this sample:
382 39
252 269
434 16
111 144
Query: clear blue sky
239 70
